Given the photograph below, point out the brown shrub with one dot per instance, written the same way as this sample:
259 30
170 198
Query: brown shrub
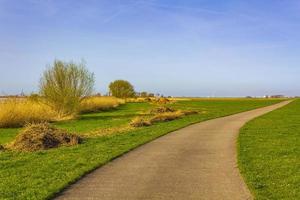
167 116
2 148
162 109
139 122
42 136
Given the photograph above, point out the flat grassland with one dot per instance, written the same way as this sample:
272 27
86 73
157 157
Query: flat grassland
40 175
269 154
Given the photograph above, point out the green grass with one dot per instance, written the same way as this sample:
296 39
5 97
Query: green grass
41 175
269 154
91 122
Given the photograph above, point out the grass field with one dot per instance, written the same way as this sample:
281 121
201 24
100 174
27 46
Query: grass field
269 154
42 174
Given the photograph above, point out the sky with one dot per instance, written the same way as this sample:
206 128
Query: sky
172 47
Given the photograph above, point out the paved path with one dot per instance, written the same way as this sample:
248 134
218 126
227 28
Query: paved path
196 162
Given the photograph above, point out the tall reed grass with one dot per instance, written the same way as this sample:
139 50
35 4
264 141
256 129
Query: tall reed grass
16 112
96 104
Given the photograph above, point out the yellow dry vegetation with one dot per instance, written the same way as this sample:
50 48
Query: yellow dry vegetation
138 100
109 131
167 116
95 104
140 122
16 112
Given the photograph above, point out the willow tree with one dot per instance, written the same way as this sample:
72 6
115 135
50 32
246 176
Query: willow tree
65 84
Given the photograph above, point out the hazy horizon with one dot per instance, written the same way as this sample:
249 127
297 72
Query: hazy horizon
177 48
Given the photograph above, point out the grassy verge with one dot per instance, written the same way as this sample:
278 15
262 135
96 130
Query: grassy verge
269 154
41 175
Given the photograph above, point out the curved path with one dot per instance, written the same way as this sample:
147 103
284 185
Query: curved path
196 162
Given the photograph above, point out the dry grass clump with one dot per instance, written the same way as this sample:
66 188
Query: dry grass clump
95 104
161 100
18 112
171 115
189 112
162 114
109 131
42 136
167 116
140 122
162 109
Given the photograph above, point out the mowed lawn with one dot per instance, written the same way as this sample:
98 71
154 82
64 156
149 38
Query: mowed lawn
269 154
41 175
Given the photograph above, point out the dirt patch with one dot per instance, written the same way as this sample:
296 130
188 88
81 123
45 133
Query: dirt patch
35 137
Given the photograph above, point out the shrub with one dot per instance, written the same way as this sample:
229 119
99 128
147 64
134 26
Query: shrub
17 112
121 89
64 85
95 104
42 136
167 116
139 122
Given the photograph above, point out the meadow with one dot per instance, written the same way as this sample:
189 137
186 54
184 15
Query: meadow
43 174
269 154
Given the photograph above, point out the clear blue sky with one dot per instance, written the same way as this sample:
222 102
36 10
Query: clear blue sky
186 47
